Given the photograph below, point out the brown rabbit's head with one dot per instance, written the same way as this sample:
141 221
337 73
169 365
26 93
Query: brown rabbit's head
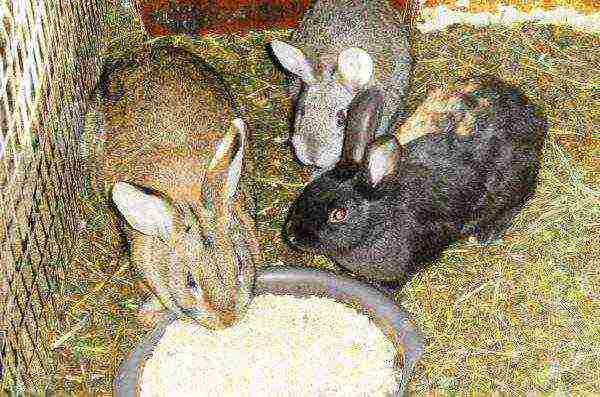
197 251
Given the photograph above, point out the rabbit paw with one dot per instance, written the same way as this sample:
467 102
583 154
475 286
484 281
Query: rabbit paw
151 312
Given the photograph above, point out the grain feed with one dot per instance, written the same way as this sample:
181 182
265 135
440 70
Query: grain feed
285 346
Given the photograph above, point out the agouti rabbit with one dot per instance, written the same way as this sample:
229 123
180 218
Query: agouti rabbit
470 163
339 49
169 151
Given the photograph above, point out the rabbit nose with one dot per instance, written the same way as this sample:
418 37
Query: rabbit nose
221 318
294 238
306 149
289 232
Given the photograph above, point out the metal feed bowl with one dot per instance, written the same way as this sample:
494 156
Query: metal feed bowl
304 282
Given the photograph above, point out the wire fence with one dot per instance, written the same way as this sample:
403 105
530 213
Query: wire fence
48 64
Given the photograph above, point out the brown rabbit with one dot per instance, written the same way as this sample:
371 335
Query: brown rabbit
168 151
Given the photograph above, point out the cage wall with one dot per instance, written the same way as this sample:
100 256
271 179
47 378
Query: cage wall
48 64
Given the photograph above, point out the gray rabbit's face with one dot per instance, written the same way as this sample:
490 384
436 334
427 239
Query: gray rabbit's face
330 81
319 123
332 214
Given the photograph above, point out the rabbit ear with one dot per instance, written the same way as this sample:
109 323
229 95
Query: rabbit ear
364 116
146 213
235 168
382 157
293 60
355 66
226 165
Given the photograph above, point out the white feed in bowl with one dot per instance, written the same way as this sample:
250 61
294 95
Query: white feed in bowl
285 346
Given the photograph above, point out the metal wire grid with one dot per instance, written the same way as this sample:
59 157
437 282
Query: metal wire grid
48 64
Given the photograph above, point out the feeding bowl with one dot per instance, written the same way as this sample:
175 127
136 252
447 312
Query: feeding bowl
385 313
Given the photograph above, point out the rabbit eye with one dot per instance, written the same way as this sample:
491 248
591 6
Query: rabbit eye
338 215
341 118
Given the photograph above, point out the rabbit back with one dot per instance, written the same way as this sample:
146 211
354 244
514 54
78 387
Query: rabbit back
169 153
146 102
469 169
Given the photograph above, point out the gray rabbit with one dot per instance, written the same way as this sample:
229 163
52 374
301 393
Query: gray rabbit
341 48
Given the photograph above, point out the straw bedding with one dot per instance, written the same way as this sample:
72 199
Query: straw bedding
513 317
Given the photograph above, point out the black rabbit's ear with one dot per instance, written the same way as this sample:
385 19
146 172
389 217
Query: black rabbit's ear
364 116
382 158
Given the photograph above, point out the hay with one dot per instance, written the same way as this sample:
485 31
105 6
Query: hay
516 316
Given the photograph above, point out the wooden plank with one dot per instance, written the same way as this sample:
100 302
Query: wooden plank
163 17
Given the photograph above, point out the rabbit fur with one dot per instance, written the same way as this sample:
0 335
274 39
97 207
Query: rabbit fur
340 48
168 155
468 162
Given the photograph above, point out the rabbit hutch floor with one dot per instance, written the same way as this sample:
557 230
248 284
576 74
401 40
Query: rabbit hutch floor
516 316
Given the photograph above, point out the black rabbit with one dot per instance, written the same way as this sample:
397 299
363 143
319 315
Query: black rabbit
464 163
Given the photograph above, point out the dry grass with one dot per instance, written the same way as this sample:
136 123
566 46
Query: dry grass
512 317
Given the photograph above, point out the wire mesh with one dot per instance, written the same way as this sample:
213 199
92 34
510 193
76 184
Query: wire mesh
48 64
